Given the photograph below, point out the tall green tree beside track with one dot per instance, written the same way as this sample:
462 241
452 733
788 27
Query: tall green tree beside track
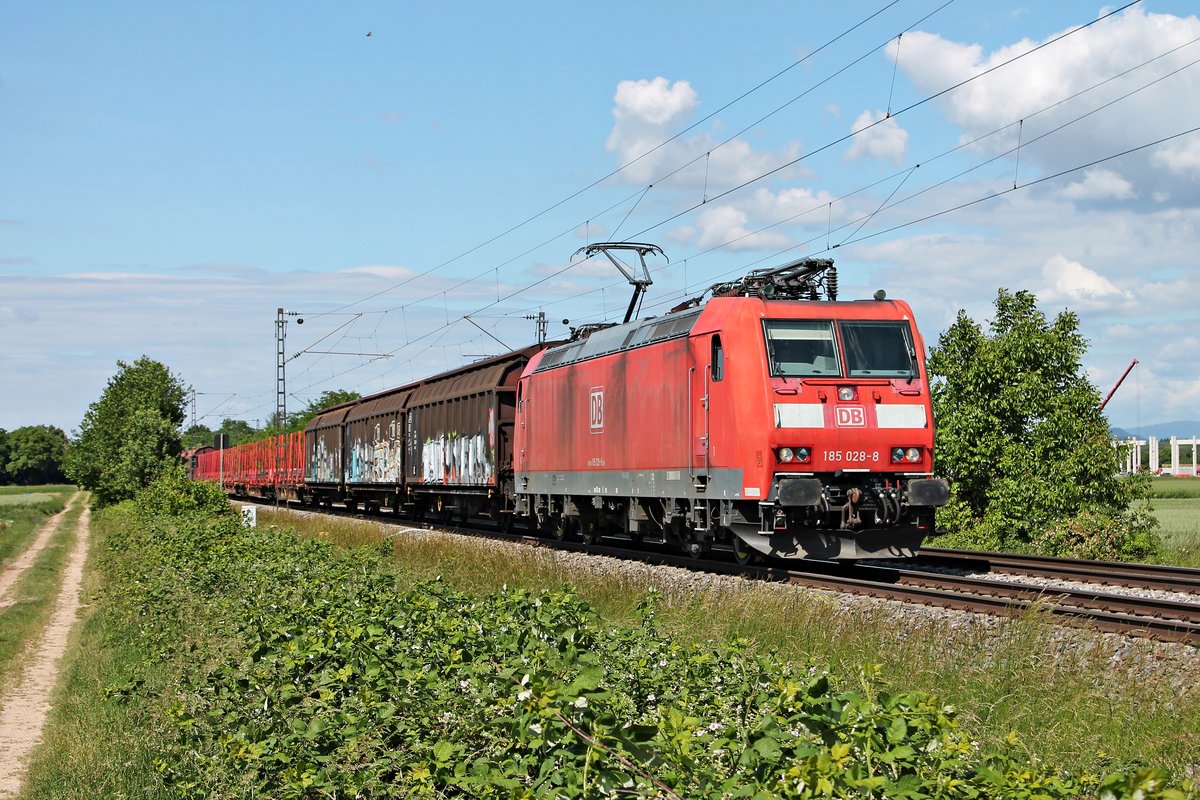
1023 441
131 434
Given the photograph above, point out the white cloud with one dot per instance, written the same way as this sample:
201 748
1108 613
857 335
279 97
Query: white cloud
1020 91
1181 157
1099 184
727 225
798 204
886 140
1073 282
123 277
650 112
381 271
656 102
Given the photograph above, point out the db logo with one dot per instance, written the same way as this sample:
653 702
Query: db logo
597 409
851 417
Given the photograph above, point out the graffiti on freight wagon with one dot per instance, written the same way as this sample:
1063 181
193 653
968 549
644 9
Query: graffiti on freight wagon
378 457
325 463
458 459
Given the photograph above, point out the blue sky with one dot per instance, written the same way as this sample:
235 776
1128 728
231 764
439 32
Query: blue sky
174 173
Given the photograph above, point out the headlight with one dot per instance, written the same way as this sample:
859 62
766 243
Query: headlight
786 456
803 453
847 393
897 454
913 454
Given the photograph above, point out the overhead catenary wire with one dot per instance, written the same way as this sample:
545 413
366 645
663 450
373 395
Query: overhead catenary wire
632 161
543 280
943 212
906 109
962 146
979 138
678 169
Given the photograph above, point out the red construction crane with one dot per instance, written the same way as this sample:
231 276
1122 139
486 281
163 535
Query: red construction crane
1120 380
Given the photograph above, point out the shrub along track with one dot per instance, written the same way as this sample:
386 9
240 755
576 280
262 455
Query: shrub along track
1130 614
24 708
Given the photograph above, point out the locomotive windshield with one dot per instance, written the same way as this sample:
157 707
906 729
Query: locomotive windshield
808 348
801 348
879 349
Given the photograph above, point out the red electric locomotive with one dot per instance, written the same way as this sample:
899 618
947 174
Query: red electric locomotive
765 419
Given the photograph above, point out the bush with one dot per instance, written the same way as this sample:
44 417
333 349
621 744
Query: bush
174 494
1103 537
1022 437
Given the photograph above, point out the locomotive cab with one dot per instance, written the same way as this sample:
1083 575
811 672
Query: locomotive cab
844 433
831 421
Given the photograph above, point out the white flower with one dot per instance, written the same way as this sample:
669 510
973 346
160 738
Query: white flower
525 695
651 698
464 684
536 727
581 702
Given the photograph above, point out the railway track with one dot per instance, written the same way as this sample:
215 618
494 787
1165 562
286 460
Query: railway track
1108 573
1158 618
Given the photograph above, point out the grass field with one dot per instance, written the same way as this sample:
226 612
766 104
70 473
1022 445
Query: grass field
23 509
1177 506
7 491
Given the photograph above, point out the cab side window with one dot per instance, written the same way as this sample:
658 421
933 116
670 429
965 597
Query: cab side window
718 359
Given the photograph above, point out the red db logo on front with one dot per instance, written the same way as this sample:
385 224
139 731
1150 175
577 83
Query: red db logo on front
851 417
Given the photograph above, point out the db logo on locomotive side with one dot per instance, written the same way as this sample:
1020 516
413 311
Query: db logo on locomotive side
851 417
597 409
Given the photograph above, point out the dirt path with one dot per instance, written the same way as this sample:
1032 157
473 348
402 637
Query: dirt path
13 572
24 708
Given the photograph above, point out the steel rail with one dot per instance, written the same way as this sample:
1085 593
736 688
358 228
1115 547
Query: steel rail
1149 576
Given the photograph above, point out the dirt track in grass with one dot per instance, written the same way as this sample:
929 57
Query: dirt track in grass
11 573
25 707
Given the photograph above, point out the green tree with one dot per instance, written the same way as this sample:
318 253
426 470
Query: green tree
197 436
1023 442
298 420
130 434
3 456
334 397
35 455
238 430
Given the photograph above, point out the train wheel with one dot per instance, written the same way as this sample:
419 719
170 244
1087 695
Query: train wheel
744 554
565 527
591 531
